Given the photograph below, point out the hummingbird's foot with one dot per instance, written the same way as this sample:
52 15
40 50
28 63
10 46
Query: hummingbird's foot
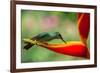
35 42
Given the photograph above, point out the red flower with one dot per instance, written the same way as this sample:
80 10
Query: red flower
75 48
84 26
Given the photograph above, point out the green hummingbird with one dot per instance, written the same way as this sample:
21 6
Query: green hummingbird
45 37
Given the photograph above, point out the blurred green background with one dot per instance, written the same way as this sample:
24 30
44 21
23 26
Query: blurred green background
34 22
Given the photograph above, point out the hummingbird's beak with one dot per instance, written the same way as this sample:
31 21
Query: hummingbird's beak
62 39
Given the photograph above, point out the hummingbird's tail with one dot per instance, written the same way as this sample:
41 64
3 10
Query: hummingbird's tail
29 45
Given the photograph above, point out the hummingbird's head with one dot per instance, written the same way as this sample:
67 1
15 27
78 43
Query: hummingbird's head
57 34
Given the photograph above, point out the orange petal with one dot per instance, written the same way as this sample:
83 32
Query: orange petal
77 49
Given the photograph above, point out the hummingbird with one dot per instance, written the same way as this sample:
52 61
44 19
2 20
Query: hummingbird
44 37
